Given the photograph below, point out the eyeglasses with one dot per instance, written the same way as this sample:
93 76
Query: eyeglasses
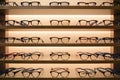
33 3
56 39
107 39
86 4
8 4
87 23
86 39
96 55
105 55
63 55
33 72
107 4
34 55
107 22
22 39
86 55
14 55
11 23
8 22
8 40
6 72
60 22
32 39
32 22
63 72
83 72
11 72
25 56
108 72
59 3
14 72
21 23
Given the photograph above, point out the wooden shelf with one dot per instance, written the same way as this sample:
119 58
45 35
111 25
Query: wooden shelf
58 27
57 45
59 62
59 78
59 7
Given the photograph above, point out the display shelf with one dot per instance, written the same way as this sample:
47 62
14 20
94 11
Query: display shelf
60 61
59 7
60 45
59 78
58 27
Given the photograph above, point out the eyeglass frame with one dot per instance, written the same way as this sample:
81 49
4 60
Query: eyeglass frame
60 73
60 21
86 70
30 22
30 3
88 22
59 55
60 39
87 39
30 39
86 4
103 3
50 4
31 71
86 53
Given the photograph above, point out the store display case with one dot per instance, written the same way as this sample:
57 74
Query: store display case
54 40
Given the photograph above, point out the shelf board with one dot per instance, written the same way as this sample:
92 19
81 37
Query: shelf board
59 7
59 62
56 27
59 78
57 45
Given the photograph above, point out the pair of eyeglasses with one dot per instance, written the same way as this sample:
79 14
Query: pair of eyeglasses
21 23
31 40
11 72
87 39
87 23
107 39
8 39
84 72
107 4
59 3
33 3
62 39
86 56
60 22
35 73
108 72
105 55
107 22
25 56
63 72
34 55
31 23
22 39
62 55
9 23
13 55
86 4
96 55
8 4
